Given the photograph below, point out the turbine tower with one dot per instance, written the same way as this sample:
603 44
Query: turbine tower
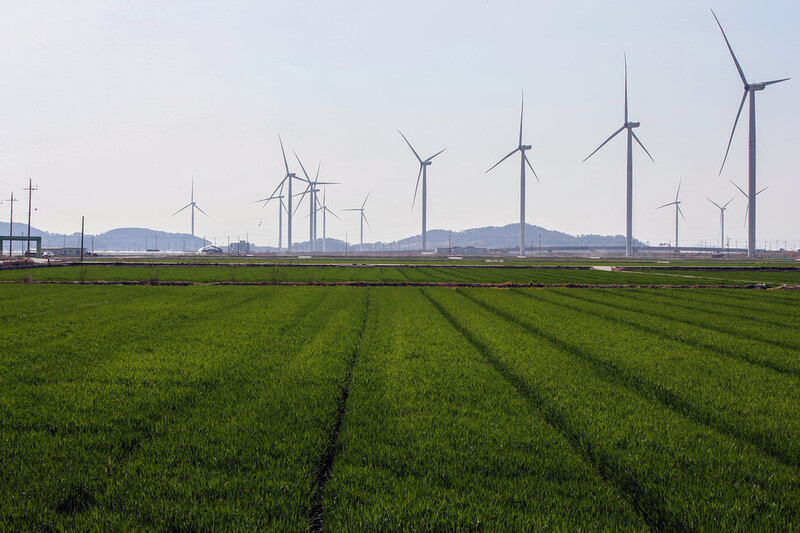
627 125
325 210
721 220
363 218
678 211
749 89
522 148
423 173
193 205
281 209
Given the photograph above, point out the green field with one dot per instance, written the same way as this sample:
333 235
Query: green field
446 273
396 408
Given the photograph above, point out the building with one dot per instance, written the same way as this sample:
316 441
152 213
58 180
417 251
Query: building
65 251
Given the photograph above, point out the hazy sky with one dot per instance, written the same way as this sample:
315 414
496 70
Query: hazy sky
112 108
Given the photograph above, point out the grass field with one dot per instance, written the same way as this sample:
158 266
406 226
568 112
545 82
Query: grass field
448 273
396 408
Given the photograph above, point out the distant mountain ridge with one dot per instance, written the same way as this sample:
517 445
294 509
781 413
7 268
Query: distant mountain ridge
493 237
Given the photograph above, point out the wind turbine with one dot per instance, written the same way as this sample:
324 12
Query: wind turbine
311 190
325 210
193 205
627 125
721 220
678 211
281 209
522 148
423 173
749 89
747 209
363 218
287 179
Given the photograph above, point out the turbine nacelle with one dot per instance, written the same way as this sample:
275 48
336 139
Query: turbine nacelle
525 147
632 124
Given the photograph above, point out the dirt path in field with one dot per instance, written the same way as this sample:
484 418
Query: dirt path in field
450 284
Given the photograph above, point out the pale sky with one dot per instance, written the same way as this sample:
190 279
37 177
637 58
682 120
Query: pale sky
112 108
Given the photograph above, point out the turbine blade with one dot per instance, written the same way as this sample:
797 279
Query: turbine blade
280 186
301 166
736 61
506 157
437 153
680 211
665 205
365 200
740 189
726 204
316 178
679 190
332 213
774 81
715 203
643 148
521 110
416 187
604 143
198 208
409 145
746 212
730 140
625 56
530 167
762 190
365 219
285 163
181 209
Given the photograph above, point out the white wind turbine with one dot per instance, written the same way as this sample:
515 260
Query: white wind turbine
721 219
287 180
311 190
193 205
522 148
363 218
325 210
677 204
423 173
281 209
747 209
749 89
627 125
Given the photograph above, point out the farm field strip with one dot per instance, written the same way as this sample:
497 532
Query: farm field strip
752 404
329 274
434 438
711 303
181 399
670 467
768 335
722 344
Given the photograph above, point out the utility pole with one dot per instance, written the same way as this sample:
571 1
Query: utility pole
30 190
11 227
81 239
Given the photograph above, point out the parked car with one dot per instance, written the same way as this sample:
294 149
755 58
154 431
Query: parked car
48 255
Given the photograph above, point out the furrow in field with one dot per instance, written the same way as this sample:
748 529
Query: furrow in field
434 439
245 456
768 333
316 512
725 343
747 403
671 468
707 322
631 490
